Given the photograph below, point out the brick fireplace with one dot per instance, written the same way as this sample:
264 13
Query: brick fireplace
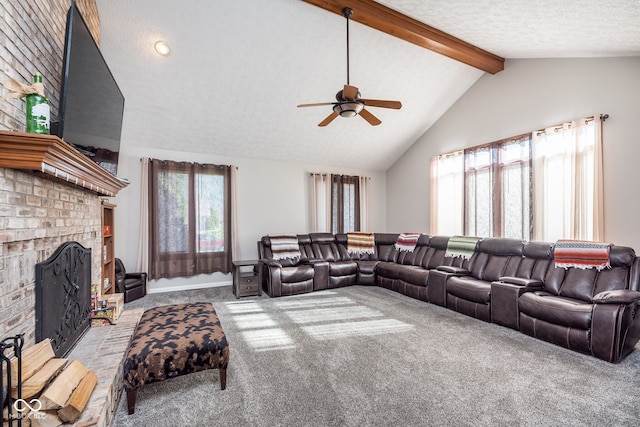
37 215
50 195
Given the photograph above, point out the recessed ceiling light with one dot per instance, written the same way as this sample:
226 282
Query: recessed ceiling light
162 48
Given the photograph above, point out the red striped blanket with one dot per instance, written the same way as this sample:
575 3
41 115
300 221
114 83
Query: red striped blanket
407 241
581 254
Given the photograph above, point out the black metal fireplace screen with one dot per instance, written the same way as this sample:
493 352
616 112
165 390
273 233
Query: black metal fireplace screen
63 297
11 351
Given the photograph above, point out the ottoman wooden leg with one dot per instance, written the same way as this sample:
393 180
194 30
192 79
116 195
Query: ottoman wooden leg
131 401
223 378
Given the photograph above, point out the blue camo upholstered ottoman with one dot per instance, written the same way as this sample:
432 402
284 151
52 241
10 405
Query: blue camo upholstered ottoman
174 340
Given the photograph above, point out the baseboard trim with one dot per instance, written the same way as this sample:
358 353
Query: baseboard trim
189 287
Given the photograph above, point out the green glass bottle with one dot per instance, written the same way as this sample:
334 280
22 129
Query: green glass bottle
38 111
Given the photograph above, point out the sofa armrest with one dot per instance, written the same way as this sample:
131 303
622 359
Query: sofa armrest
451 270
520 281
437 282
140 276
620 296
271 263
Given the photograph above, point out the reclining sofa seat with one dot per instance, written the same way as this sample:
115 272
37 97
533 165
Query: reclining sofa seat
341 269
414 281
470 292
288 276
365 262
586 310
537 259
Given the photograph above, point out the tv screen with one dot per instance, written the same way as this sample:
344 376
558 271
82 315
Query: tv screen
91 103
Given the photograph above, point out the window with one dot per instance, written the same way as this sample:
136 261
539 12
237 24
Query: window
338 203
345 204
546 185
189 219
497 189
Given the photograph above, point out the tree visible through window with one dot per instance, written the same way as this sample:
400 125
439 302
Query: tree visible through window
189 219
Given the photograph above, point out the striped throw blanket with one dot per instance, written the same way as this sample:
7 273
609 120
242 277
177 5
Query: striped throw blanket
461 246
407 241
359 242
581 254
285 246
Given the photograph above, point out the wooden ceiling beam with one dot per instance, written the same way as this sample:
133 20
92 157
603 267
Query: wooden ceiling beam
382 18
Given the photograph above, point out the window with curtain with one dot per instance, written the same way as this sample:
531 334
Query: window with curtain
447 193
568 180
498 189
345 203
190 220
339 203
546 185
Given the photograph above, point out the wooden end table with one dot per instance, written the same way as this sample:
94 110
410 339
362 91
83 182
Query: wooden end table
247 281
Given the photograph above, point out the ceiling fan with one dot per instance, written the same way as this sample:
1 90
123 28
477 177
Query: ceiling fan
348 102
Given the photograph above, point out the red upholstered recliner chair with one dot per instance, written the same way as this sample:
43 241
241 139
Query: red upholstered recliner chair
132 285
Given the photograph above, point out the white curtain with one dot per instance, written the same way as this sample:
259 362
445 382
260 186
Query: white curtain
446 212
142 262
568 181
364 203
321 202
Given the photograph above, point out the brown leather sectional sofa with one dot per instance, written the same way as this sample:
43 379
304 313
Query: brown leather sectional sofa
506 281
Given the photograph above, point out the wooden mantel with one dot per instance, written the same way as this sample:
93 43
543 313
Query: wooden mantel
52 156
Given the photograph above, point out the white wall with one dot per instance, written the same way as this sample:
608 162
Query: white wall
529 95
273 197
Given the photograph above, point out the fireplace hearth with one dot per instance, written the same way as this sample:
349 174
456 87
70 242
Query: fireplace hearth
63 297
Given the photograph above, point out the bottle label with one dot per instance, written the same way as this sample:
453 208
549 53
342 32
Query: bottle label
38 114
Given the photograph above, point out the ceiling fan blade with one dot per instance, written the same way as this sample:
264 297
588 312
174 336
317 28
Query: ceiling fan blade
349 92
373 120
318 104
396 105
328 120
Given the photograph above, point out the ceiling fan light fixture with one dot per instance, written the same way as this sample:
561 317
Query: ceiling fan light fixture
348 109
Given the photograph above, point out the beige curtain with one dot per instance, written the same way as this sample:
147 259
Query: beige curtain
568 181
142 263
321 202
364 203
446 207
235 244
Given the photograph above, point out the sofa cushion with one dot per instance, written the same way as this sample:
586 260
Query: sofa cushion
470 289
557 310
387 269
343 268
414 275
296 274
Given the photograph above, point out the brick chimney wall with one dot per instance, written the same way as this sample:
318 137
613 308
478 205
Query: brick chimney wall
37 214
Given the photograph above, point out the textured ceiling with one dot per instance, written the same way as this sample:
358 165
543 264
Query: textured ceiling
238 69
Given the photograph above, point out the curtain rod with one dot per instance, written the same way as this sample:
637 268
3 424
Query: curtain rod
336 174
193 163
556 128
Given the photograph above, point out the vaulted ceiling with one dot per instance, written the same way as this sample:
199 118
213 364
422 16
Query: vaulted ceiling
237 69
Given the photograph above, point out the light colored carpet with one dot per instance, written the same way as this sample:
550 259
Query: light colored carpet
367 356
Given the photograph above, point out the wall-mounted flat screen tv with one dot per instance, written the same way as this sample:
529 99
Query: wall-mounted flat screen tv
91 103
